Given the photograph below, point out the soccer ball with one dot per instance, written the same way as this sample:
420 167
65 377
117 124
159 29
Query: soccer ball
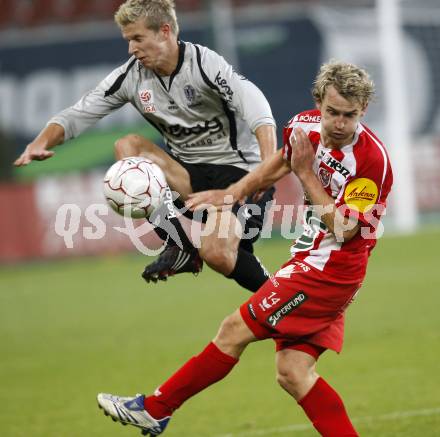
134 187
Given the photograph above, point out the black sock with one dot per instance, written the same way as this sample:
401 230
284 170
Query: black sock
248 271
247 245
163 235
185 242
168 227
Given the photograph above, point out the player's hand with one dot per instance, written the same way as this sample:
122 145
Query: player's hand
208 199
303 154
33 152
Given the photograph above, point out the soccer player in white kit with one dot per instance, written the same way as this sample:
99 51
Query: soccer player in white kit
216 124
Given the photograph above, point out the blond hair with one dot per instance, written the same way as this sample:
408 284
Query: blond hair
155 12
351 82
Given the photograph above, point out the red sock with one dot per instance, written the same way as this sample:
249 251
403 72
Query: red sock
199 372
326 410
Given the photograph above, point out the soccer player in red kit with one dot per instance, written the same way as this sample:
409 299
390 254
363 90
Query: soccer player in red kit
346 176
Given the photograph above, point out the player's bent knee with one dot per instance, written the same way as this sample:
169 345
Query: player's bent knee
295 377
287 377
291 382
127 146
133 145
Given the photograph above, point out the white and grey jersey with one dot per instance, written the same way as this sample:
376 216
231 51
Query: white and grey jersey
205 111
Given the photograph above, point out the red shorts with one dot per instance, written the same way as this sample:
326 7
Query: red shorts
298 307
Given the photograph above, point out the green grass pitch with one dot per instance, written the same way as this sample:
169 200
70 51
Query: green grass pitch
71 329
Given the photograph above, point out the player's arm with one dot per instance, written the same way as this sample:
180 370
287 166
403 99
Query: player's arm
267 140
74 120
344 228
263 176
39 148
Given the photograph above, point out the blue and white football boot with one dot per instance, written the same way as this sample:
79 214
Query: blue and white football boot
131 411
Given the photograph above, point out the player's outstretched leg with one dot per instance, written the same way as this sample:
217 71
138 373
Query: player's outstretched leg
179 255
131 411
152 413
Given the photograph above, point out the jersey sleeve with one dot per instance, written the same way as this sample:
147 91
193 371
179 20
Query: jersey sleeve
95 104
241 95
365 195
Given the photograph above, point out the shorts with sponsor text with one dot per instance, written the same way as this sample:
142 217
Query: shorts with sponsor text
298 307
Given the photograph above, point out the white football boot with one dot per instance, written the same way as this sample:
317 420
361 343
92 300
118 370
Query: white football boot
131 411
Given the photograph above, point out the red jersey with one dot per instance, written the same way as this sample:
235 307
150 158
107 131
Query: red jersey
359 177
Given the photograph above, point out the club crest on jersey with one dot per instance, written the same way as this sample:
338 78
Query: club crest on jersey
192 97
190 93
147 99
324 176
